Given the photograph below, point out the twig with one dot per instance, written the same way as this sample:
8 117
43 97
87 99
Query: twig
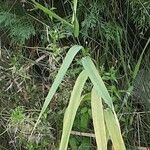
83 134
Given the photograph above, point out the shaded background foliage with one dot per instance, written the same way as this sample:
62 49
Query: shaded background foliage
32 48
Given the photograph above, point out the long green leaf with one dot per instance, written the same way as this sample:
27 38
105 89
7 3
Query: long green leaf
51 13
97 81
66 63
72 109
76 27
122 58
75 2
137 67
114 130
74 19
98 121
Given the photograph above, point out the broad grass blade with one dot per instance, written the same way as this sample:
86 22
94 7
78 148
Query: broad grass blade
72 109
114 130
66 63
97 81
51 13
98 121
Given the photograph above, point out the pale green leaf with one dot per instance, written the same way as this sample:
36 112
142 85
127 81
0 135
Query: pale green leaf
74 19
66 63
76 27
114 131
97 81
51 13
75 2
72 109
98 121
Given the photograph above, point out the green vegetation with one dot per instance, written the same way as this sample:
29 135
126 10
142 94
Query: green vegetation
74 74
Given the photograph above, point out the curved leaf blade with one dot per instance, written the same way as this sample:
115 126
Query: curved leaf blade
98 121
59 77
97 81
51 13
114 130
71 110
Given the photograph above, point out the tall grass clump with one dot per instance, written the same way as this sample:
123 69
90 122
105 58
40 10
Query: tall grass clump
99 90
91 59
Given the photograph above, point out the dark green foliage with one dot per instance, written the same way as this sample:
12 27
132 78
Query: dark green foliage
18 28
139 13
114 33
142 88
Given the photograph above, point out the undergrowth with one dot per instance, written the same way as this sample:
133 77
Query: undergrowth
32 48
